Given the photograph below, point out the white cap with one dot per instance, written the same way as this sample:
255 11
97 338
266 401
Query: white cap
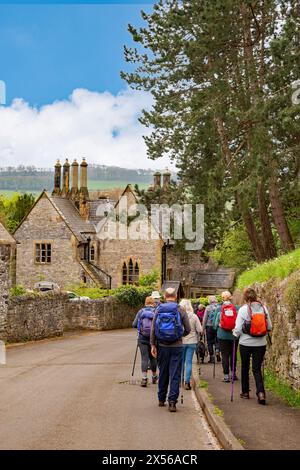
155 295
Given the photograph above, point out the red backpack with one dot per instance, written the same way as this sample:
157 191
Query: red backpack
228 317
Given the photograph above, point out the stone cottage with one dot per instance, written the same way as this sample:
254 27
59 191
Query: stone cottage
7 248
63 238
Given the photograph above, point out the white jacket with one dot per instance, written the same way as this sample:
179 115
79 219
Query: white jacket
196 329
247 340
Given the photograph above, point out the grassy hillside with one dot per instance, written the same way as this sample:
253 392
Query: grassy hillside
93 186
279 268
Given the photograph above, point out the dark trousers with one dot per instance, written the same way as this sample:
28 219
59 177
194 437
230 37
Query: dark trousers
226 347
169 363
147 357
257 353
212 340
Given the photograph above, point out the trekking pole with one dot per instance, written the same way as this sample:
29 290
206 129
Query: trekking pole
182 379
233 371
134 362
214 369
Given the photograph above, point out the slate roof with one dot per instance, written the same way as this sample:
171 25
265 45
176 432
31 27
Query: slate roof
5 236
72 217
220 279
175 285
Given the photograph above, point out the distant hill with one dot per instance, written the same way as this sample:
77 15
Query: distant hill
30 178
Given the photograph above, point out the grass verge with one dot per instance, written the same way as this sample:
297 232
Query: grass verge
278 268
282 389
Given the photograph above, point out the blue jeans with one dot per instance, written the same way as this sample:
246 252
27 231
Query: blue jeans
169 361
187 358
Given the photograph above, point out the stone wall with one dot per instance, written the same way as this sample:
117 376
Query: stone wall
45 315
283 301
5 256
102 314
34 317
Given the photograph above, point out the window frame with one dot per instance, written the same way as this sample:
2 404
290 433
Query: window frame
43 252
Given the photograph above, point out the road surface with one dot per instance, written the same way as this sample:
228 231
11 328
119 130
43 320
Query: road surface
72 393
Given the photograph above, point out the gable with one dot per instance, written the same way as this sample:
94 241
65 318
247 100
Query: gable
43 221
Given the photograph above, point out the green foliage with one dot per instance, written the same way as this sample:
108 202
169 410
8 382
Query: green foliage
204 300
223 110
235 250
291 296
17 291
278 268
149 280
91 292
14 209
282 389
132 295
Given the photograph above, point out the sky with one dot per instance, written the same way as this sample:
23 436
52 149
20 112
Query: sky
64 95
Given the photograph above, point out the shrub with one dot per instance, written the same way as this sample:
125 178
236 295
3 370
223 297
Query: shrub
17 291
91 292
132 295
150 280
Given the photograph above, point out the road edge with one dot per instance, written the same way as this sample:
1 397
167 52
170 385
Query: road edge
226 438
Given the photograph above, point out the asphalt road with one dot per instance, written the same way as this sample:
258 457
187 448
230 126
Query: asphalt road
72 393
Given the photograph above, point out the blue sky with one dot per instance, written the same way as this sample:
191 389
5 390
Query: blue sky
65 98
47 51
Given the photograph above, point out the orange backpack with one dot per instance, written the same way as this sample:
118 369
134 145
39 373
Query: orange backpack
258 324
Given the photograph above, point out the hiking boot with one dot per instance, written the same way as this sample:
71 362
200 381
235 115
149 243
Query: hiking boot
161 404
187 386
218 356
144 382
172 407
261 398
245 395
226 379
235 377
154 379
211 360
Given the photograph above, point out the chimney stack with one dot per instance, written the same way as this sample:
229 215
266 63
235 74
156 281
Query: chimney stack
66 179
74 190
84 192
157 180
57 179
166 178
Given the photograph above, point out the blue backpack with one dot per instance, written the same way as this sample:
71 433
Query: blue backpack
145 322
168 326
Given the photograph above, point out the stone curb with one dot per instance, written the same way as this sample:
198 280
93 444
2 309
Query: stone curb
218 425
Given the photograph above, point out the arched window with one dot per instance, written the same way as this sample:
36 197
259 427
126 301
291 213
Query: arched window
136 273
124 274
130 272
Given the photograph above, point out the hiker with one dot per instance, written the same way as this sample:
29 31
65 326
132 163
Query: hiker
224 323
211 334
143 322
252 326
170 324
156 296
190 342
200 311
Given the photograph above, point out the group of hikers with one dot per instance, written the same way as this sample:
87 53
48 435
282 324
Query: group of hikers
170 333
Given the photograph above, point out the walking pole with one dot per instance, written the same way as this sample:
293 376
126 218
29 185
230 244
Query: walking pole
214 370
134 362
182 378
232 371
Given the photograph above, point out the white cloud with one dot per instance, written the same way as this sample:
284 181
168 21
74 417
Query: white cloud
100 126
